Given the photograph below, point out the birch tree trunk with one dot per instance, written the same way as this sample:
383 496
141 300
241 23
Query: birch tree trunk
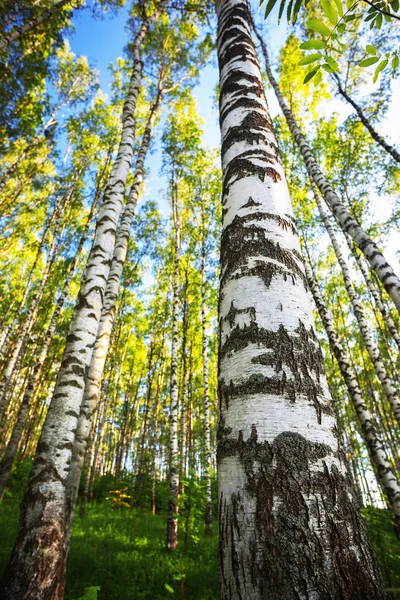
375 447
33 380
100 351
207 432
374 291
365 329
25 330
384 271
36 570
365 121
289 521
17 32
173 476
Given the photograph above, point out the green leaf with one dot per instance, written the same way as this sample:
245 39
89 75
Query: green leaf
370 49
312 45
307 60
332 63
339 5
380 68
311 74
349 18
289 10
169 588
327 68
341 27
395 62
296 10
317 79
269 7
330 11
395 4
281 8
378 22
367 62
318 26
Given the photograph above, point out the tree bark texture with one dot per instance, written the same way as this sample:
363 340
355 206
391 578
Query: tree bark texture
364 326
36 570
206 392
375 447
384 271
173 476
102 343
290 526
34 378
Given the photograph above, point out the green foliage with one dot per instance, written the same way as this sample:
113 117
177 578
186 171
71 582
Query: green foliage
91 593
335 20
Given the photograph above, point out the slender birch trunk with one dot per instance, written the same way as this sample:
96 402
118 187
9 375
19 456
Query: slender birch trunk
374 291
365 121
207 431
384 271
289 521
33 380
17 32
11 329
101 346
183 393
365 329
20 343
374 445
36 570
173 477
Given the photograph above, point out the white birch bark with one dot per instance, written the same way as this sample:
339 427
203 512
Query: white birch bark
34 378
289 521
374 291
23 334
365 329
40 573
375 447
384 271
173 476
207 430
102 343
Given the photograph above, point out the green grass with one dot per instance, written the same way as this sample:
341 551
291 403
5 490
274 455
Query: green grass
122 552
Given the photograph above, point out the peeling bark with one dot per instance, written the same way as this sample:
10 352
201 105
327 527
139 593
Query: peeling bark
289 521
36 570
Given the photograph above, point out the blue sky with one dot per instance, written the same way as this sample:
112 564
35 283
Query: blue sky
103 41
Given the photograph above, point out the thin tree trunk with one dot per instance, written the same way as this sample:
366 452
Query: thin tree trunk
207 431
172 521
367 424
95 373
384 271
365 121
374 291
33 380
17 32
289 520
365 329
183 394
25 330
36 569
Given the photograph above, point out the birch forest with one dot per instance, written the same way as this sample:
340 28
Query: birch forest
199 300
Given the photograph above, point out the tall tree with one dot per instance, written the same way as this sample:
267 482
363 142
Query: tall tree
284 490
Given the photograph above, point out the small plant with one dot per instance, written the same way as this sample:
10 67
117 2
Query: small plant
119 498
90 593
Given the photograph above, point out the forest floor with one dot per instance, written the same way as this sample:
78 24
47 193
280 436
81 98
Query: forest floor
119 553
